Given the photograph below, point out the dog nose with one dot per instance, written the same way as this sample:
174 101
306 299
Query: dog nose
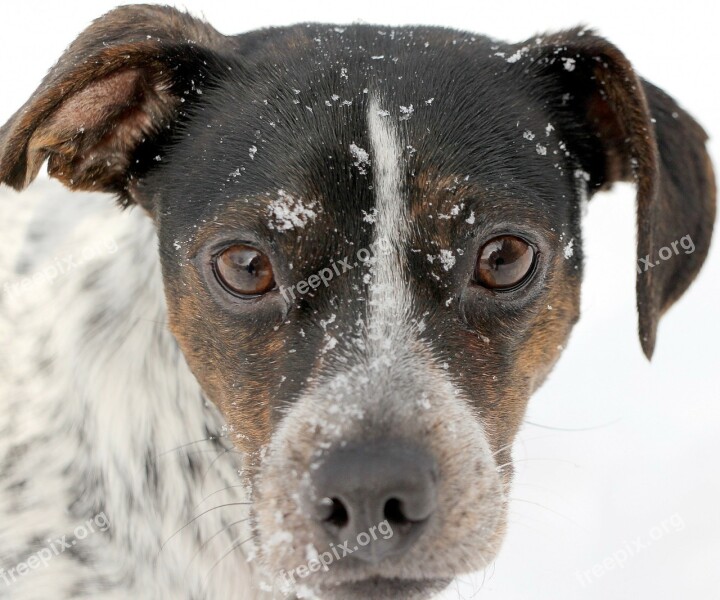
378 498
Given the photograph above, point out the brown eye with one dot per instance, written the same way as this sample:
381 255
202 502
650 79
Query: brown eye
504 263
244 270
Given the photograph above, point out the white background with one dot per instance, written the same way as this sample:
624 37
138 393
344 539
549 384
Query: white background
650 442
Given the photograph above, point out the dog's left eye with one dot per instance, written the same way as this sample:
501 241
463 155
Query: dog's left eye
244 271
504 263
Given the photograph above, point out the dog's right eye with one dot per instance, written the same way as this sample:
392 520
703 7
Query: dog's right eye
244 271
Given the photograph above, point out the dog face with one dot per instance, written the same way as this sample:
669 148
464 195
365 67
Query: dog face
371 249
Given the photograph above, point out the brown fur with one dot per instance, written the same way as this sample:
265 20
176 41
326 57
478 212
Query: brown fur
647 138
101 99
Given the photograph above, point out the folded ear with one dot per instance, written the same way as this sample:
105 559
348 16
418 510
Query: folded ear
117 88
619 127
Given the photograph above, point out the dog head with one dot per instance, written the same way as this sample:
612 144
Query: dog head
371 250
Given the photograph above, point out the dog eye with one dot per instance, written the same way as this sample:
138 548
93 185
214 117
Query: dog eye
504 263
244 271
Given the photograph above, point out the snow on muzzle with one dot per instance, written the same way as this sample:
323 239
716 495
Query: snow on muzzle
392 445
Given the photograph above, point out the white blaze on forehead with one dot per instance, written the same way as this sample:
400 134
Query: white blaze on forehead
389 293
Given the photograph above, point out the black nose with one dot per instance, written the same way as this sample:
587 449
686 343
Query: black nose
376 497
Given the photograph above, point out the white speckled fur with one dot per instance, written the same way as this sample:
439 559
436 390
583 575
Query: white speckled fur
94 394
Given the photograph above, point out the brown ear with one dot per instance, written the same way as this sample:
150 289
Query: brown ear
116 88
622 128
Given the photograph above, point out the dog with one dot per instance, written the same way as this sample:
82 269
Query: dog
296 364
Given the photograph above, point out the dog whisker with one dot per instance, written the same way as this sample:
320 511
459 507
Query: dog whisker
521 442
234 547
547 508
214 460
211 438
210 539
505 447
162 546
533 458
573 429
484 579
211 494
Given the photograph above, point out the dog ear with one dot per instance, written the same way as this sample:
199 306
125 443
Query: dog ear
117 88
619 127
